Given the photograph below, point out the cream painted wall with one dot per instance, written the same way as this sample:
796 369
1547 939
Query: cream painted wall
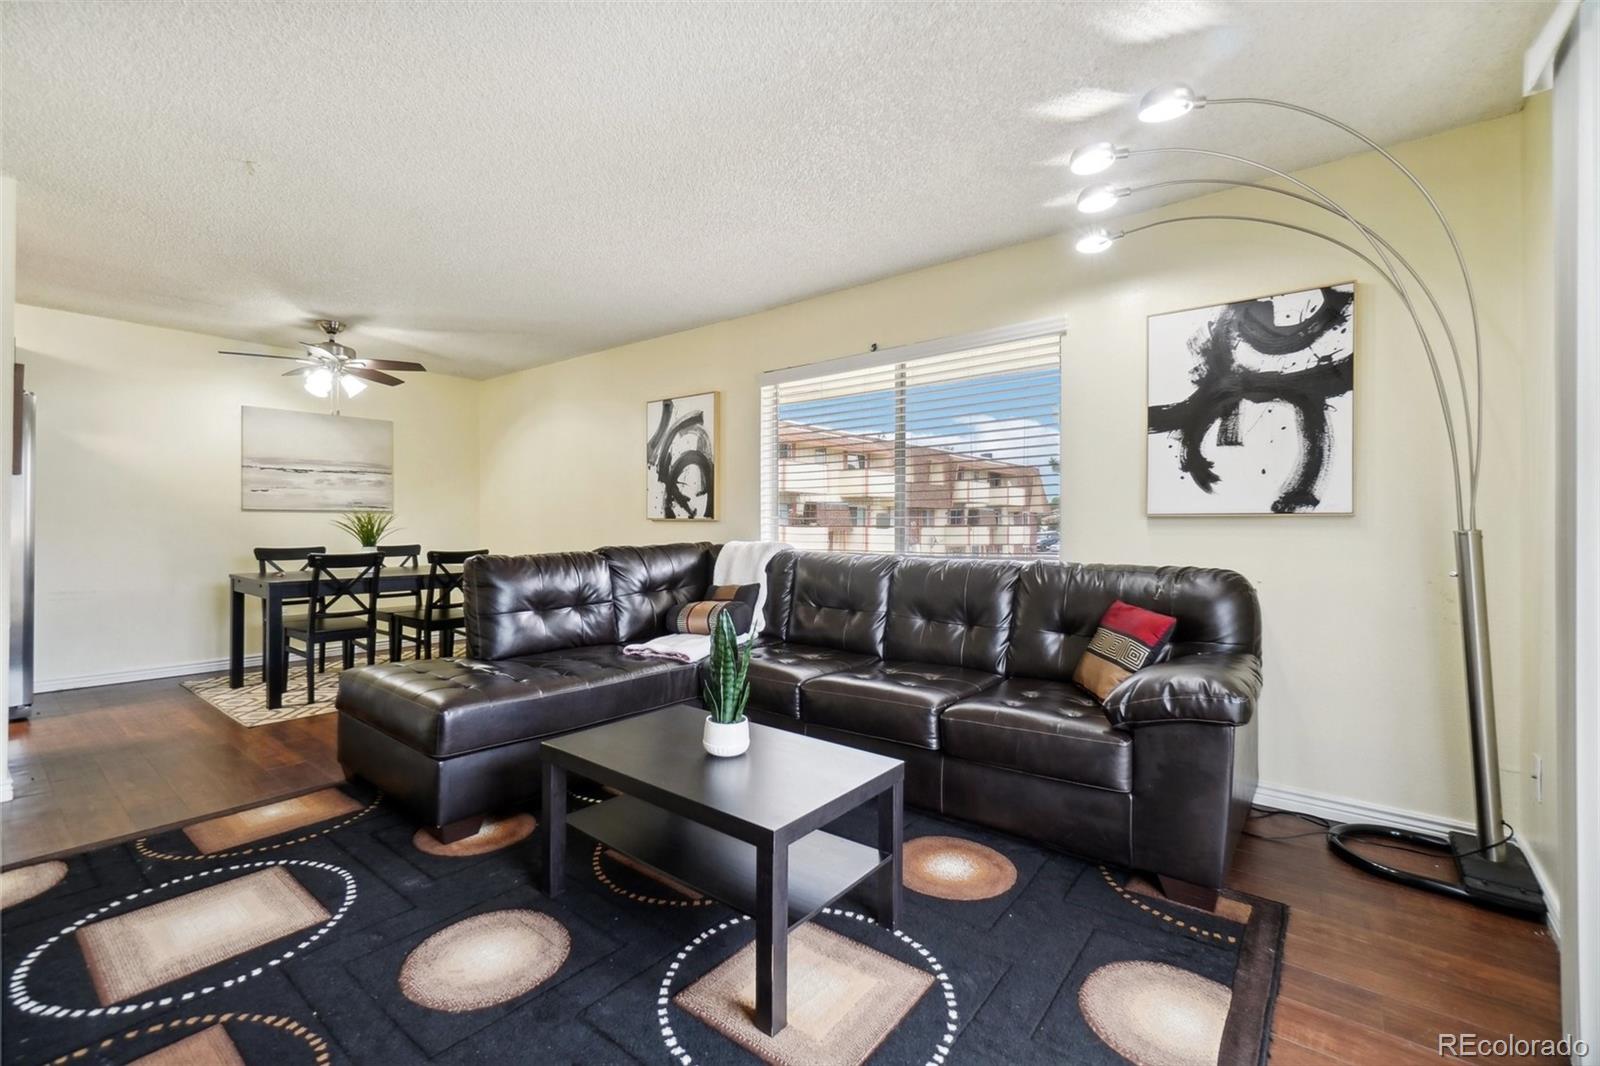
138 487
1534 809
1364 695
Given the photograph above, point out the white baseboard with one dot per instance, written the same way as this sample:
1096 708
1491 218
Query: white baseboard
1346 809
149 673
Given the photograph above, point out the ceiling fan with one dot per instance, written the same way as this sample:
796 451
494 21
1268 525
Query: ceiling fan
328 366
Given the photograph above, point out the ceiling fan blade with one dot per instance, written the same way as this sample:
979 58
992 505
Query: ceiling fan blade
371 375
318 348
300 371
261 355
389 364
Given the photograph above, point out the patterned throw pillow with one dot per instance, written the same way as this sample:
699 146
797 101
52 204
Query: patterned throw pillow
700 616
1129 639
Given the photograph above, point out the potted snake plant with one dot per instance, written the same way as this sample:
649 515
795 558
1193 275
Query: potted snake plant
727 690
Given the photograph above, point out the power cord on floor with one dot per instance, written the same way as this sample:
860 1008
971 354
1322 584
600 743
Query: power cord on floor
1262 813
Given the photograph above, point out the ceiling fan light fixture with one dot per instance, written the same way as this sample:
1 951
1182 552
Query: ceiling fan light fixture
352 386
319 382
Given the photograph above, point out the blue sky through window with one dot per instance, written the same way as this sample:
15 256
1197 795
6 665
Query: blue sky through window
1013 417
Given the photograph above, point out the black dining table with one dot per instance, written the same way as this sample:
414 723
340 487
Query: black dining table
273 590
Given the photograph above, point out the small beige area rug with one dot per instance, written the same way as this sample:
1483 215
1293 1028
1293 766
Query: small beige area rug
844 999
247 704
158 944
208 1047
246 827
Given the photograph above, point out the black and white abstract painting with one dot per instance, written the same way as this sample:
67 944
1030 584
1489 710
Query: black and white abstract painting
1251 406
300 461
680 457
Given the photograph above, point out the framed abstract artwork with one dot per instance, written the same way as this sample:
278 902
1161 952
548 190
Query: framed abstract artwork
680 457
1251 406
301 461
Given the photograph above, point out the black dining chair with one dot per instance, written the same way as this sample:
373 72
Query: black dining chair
441 614
271 560
399 555
344 610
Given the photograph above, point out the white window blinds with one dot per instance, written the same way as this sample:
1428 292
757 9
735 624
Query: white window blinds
947 448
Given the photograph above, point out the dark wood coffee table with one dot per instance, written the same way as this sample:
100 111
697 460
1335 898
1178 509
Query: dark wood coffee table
746 831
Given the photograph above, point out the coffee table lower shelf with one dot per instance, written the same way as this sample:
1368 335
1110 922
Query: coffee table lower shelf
822 867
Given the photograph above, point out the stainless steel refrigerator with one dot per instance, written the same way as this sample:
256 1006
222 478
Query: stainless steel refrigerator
20 698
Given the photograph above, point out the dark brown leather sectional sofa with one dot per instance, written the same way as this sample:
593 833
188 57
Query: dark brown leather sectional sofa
960 667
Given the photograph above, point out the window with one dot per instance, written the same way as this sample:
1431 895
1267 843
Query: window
936 443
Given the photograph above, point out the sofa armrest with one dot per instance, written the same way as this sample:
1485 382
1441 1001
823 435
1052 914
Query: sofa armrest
1194 688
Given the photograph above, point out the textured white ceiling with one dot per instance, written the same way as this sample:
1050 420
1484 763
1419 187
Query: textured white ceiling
491 186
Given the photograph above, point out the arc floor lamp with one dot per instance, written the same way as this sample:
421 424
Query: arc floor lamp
1491 868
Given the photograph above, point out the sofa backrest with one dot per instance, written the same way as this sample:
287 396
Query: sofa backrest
1059 605
522 604
648 581
839 601
951 612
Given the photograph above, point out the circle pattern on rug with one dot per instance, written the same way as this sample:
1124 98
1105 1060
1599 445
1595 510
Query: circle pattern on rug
494 834
484 961
953 868
940 1054
144 849
597 863
199 1025
26 882
17 985
1156 1014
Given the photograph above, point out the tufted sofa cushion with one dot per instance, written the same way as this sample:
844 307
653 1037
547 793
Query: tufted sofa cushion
444 707
955 612
1048 728
890 701
777 670
1060 604
840 601
648 581
523 604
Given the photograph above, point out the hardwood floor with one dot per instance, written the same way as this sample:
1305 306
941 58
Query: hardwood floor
102 764
1373 972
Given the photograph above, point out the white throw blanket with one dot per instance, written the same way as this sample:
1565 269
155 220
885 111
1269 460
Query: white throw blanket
744 562
679 647
741 562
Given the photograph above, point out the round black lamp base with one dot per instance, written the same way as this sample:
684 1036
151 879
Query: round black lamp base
1508 885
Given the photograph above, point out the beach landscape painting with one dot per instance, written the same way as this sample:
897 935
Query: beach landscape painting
299 461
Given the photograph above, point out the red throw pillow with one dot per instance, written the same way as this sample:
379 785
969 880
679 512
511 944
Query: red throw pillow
1129 639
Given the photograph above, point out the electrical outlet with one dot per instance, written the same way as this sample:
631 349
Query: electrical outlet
1538 778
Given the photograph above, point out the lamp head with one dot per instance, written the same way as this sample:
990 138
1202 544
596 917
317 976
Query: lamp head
351 386
1096 240
1093 158
1167 102
1097 198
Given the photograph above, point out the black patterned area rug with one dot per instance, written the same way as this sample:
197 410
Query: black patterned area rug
327 928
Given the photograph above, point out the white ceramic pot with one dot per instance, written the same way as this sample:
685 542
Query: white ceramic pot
726 740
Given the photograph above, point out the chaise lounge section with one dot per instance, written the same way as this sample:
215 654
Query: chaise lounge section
961 668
